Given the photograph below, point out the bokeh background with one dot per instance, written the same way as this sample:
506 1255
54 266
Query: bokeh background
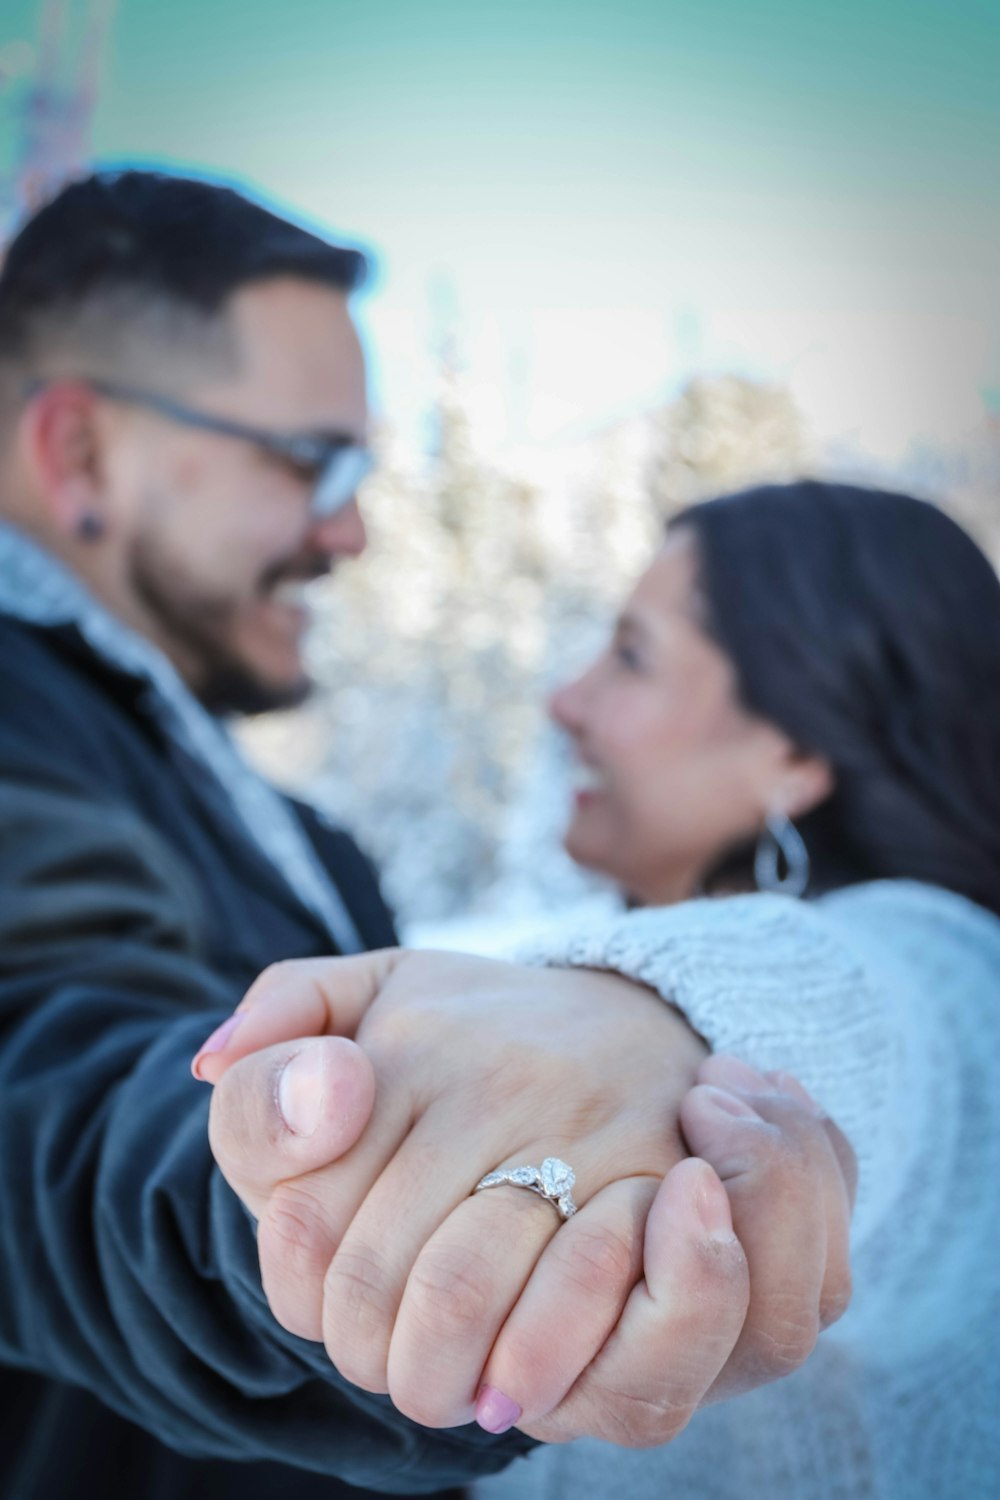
627 255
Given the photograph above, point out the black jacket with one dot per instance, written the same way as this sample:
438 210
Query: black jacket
137 1352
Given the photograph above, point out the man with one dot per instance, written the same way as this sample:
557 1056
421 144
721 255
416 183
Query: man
148 876
182 428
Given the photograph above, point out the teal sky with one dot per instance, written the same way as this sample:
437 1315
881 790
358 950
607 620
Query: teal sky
609 195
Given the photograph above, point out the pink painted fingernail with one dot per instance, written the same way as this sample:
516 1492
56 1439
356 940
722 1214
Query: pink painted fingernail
496 1412
215 1043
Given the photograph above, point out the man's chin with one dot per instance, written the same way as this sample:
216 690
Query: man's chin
237 690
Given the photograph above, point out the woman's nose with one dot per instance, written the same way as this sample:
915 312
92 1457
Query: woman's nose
565 705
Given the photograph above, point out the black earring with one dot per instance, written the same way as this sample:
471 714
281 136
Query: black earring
90 527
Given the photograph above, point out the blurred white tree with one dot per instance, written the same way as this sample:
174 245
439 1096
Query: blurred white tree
723 433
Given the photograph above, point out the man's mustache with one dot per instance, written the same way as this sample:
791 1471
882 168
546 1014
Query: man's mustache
295 570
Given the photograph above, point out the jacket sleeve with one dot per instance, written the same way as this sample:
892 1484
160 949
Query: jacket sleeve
127 1265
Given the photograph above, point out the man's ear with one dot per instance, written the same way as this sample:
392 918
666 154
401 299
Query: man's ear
808 781
62 449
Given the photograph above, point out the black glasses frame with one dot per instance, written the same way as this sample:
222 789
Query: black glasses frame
337 464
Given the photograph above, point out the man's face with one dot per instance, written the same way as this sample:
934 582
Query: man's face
220 539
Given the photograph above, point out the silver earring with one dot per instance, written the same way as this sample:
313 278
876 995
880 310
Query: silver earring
781 838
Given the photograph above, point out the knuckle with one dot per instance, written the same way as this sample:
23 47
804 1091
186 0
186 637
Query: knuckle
451 1290
641 1421
359 1310
787 1163
783 1341
291 1233
528 1359
602 1264
790 1150
357 1286
358 1290
292 1251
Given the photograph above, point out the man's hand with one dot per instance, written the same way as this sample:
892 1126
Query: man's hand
791 1178
617 1323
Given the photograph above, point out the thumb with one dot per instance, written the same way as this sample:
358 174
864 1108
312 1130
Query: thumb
287 1110
301 997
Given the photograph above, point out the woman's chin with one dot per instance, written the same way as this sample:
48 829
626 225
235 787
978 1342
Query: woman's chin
639 886
586 852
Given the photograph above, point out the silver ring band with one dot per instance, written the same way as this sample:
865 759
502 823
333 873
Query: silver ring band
553 1181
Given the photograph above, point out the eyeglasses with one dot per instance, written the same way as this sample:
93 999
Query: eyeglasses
335 465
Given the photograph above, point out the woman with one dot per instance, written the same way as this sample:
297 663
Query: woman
801 695
813 652
826 662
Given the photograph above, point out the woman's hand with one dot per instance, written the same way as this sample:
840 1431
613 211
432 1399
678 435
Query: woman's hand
617 1323
384 1255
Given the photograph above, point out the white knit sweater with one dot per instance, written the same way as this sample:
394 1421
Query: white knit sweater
885 1000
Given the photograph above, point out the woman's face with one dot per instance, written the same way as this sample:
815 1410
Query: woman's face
673 771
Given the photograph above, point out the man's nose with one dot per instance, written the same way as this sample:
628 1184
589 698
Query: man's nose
341 535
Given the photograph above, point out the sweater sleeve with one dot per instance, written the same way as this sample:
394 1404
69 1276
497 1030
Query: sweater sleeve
127 1265
776 982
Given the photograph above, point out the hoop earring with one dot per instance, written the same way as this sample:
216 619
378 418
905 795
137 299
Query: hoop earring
781 838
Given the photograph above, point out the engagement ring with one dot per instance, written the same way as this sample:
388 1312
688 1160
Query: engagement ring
553 1181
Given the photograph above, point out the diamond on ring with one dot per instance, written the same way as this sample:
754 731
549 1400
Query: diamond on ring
553 1181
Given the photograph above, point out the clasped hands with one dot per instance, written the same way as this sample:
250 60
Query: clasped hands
357 1103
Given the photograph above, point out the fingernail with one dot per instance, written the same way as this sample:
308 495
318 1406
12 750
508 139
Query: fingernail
733 1072
729 1104
713 1207
496 1412
301 1087
220 1036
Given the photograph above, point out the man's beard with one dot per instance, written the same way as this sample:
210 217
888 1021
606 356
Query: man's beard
231 689
226 685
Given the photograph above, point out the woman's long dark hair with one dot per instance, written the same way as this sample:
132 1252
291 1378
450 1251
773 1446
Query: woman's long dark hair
866 625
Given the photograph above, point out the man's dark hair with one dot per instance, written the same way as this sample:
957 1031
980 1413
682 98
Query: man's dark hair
135 254
866 625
